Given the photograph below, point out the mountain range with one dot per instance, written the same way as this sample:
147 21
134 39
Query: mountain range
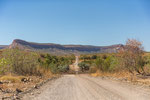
61 49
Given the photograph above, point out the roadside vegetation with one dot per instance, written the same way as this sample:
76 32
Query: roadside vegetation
24 66
24 69
130 60
19 62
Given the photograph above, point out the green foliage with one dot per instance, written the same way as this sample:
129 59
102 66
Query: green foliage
105 63
19 62
110 63
94 57
3 64
84 57
63 68
99 63
32 63
84 66
56 64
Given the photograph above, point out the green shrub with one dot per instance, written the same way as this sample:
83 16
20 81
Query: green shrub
32 63
106 64
94 57
63 68
3 65
99 63
84 66
20 62
55 63
110 63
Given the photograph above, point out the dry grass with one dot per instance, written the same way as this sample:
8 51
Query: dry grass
119 75
144 81
123 75
12 82
11 78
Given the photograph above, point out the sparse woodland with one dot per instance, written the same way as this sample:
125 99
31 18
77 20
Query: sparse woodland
27 68
16 61
131 58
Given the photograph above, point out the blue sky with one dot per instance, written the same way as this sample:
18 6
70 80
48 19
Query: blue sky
89 22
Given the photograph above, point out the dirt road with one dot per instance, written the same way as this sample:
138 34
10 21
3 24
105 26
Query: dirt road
76 67
84 87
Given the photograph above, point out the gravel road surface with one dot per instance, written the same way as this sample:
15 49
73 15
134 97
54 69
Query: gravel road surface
84 87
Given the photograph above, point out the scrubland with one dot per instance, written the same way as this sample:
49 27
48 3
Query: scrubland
130 63
23 69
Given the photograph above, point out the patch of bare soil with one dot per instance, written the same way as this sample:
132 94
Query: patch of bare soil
11 86
125 76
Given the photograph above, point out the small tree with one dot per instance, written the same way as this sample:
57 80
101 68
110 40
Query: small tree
99 62
20 62
94 57
132 55
84 66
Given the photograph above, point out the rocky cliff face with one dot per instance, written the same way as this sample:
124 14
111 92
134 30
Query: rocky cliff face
50 47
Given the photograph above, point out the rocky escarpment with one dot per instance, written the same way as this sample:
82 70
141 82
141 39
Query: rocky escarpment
57 48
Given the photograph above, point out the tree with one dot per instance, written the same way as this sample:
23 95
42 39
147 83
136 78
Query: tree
94 57
132 55
20 62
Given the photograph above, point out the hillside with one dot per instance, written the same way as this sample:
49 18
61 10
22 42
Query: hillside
3 46
63 49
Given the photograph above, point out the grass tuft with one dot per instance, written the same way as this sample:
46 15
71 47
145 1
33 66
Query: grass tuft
11 78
